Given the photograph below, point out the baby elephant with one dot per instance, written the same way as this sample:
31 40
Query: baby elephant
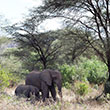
27 91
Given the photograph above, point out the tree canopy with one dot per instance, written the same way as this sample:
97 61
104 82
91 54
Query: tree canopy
89 15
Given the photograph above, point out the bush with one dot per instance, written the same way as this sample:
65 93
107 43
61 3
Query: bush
11 64
96 70
6 79
67 74
71 74
92 70
81 88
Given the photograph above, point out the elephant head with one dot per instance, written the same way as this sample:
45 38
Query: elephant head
53 77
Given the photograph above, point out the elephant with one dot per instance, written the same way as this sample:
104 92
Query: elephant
45 81
27 91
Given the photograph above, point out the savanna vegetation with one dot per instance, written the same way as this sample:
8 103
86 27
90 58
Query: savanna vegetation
80 50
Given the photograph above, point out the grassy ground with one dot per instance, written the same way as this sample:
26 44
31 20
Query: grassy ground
71 101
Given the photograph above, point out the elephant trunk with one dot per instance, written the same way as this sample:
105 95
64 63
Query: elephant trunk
60 94
59 85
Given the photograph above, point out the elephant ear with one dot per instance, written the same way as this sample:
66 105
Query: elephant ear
45 76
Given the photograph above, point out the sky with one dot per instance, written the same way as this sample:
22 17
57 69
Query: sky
15 10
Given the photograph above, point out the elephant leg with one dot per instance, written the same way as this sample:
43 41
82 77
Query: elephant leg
53 92
27 93
45 91
37 95
48 94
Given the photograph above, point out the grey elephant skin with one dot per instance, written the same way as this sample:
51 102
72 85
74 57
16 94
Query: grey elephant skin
27 91
45 81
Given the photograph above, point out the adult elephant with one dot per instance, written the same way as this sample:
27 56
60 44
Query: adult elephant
45 81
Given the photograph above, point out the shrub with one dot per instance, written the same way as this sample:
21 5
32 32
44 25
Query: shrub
80 73
6 79
81 88
12 64
71 74
67 72
96 70
92 70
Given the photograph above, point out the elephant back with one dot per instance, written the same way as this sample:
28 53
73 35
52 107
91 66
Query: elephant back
20 90
35 71
33 79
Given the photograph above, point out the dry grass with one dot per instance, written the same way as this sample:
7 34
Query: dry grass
70 102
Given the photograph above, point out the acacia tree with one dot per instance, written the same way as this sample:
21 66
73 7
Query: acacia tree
89 15
45 44
73 45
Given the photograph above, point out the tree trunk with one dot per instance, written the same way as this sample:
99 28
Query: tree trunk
108 72
44 64
108 65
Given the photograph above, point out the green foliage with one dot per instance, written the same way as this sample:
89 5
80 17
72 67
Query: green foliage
81 88
67 85
68 73
6 78
71 74
12 64
92 70
95 69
